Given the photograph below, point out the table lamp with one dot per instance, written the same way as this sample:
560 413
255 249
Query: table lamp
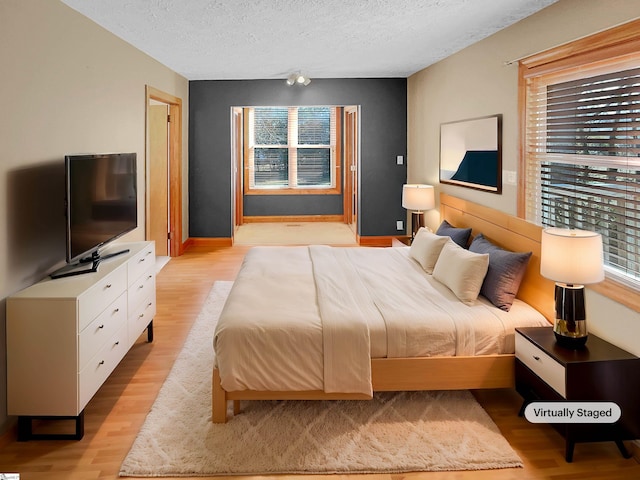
571 258
417 197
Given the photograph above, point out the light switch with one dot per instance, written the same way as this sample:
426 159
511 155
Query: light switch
510 177
399 160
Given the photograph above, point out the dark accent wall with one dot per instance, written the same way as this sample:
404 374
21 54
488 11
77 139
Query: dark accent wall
383 136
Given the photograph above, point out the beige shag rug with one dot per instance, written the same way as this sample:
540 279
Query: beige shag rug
394 432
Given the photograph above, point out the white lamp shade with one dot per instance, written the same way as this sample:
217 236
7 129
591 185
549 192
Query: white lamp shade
571 256
418 197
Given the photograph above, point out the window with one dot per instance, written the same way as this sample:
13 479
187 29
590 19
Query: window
292 150
582 152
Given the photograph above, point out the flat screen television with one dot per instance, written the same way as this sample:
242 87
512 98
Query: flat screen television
101 203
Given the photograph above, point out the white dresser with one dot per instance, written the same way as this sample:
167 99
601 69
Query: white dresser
65 336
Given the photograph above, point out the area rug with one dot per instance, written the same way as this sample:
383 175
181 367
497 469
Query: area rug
394 432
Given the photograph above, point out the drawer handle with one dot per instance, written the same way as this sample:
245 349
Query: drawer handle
100 326
101 362
149 277
116 310
118 342
140 287
142 260
141 315
149 252
535 357
149 304
108 285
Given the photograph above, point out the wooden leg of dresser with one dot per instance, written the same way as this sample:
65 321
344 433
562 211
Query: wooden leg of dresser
150 332
25 428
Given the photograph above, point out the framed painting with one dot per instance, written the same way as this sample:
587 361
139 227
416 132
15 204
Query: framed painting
471 153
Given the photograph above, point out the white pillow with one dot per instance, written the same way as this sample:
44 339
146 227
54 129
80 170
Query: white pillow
461 271
426 247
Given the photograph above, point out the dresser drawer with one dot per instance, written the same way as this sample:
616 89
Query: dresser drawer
141 262
93 375
94 300
545 367
141 317
95 336
141 289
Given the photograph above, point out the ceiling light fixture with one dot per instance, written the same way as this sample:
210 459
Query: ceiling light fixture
298 79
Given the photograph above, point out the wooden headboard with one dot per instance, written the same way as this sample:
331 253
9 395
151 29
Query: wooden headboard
511 233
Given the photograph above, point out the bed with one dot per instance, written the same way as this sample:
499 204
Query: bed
332 323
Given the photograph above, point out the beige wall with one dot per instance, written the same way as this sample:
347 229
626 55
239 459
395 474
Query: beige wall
477 82
68 86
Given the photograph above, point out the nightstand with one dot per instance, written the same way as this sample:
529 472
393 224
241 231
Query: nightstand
599 372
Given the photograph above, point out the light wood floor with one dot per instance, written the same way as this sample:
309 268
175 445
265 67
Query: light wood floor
116 413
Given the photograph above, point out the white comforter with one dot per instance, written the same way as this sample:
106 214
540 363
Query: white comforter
311 318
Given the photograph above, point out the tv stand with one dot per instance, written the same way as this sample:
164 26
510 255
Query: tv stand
65 337
94 260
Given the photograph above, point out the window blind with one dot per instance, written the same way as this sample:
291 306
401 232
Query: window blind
582 157
292 147
316 134
271 126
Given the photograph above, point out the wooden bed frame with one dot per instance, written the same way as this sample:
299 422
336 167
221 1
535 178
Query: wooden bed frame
437 373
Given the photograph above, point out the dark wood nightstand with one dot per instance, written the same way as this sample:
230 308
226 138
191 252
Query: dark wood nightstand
599 372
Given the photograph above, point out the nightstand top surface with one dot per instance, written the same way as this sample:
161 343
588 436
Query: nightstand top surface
595 350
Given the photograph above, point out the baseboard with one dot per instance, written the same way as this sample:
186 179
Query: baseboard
293 218
367 241
383 241
208 242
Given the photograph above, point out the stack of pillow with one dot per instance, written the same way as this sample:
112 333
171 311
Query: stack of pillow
483 268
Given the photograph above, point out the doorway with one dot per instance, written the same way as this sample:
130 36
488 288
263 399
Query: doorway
164 172
346 171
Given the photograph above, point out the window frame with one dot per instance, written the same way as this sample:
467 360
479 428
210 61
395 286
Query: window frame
609 44
336 156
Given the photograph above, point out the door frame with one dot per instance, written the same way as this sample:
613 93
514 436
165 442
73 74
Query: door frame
237 167
351 161
175 167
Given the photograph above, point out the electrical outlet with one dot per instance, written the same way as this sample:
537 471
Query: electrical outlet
399 225
399 160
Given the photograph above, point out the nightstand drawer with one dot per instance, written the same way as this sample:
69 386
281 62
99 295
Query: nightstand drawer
545 367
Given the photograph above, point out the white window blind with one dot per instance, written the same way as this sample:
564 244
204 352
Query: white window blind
270 152
582 156
292 147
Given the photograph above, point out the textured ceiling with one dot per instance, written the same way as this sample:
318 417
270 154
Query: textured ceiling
266 39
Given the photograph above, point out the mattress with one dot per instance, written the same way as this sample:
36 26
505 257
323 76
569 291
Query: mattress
311 318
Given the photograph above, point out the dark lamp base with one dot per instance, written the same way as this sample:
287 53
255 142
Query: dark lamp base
417 221
573 343
570 327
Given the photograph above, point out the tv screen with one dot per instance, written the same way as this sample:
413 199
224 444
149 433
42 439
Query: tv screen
101 201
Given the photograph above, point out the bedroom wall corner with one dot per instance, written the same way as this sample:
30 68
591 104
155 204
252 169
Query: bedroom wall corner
483 80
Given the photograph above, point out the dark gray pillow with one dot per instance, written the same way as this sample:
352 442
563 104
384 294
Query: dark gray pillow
458 235
505 272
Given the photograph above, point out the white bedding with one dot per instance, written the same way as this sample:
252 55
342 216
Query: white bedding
311 318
